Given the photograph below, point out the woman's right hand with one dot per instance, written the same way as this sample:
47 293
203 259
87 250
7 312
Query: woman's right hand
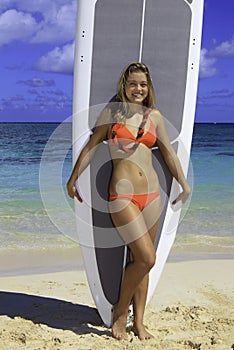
72 191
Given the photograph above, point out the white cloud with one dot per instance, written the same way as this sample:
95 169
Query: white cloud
46 7
16 26
209 58
42 21
52 21
207 69
59 60
59 27
43 100
37 82
225 49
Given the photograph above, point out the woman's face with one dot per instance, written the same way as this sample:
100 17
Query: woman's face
136 88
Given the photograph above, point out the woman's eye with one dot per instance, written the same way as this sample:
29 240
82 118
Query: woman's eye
133 85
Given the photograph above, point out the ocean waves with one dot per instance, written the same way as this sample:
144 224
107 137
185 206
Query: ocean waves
207 227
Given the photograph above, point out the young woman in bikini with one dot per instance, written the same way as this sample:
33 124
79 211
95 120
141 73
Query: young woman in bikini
132 125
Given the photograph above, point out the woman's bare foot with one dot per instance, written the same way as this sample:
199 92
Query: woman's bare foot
119 325
141 332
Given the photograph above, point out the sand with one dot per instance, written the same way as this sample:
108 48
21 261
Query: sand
192 308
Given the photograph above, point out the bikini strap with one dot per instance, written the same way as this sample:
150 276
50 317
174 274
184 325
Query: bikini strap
146 113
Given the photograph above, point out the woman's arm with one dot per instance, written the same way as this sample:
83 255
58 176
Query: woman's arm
88 152
171 158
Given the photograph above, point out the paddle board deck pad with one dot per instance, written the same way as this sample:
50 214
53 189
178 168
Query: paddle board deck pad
166 36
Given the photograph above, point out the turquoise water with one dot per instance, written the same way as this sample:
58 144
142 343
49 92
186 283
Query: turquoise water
24 222
207 228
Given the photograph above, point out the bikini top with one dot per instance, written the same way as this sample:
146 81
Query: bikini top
122 137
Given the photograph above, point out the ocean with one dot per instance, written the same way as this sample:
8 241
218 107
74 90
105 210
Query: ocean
36 215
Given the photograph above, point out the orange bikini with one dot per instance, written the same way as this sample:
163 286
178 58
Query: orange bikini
140 200
123 138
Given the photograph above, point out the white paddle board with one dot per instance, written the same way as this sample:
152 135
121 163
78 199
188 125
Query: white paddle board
166 36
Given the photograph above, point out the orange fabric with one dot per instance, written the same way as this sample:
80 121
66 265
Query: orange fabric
123 138
140 200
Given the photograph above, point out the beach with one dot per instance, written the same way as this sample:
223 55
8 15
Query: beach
45 301
192 308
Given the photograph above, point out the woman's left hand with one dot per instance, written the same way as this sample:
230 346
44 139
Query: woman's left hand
183 196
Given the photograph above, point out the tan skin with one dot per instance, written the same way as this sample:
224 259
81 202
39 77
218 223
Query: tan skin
133 173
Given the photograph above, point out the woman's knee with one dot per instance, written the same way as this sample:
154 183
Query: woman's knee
150 261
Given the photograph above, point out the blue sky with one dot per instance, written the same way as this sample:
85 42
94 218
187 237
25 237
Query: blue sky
36 61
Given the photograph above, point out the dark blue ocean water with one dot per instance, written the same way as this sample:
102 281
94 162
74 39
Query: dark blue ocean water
30 219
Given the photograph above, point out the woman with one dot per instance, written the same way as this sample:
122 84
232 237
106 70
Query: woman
132 125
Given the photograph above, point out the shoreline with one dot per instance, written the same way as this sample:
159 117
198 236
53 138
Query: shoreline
35 261
52 260
192 308
27 262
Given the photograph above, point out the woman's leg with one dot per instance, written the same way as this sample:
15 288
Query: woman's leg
130 222
140 296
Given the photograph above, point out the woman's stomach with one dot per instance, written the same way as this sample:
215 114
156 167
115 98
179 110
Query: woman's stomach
131 178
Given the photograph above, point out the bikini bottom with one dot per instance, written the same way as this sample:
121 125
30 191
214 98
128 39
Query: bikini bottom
140 200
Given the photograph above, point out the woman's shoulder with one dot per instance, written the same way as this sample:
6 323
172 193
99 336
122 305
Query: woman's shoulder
105 117
104 123
155 116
